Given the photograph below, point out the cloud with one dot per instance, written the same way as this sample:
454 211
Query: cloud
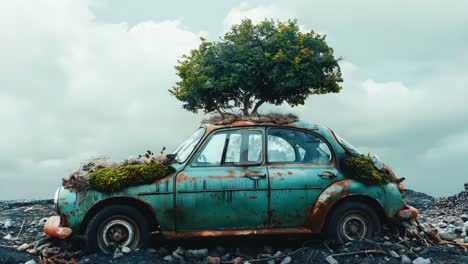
73 88
256 13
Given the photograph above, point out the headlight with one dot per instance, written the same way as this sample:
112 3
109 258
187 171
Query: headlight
56 197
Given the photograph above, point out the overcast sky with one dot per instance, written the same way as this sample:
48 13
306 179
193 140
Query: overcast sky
80 79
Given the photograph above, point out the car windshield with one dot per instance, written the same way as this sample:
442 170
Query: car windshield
350 148
183 150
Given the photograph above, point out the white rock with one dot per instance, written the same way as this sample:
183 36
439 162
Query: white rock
30 262
394 254
168 258
8 237
23 247
42 221
405 259
331 260
286 260
126 250
421 260
442 225
464 217
8 223
118 255
466 239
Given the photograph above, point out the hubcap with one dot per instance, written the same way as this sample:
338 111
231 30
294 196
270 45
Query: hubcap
118 232
354 227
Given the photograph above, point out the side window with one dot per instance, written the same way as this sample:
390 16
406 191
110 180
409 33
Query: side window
289 145
232 147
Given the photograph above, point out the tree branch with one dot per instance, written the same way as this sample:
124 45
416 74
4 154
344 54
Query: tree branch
257 105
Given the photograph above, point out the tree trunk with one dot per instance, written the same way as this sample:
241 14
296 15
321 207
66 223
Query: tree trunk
257 105
245 110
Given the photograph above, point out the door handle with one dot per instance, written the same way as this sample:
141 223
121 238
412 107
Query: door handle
255 176
327 175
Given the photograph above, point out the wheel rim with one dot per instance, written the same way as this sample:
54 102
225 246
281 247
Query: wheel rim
118 231
354 227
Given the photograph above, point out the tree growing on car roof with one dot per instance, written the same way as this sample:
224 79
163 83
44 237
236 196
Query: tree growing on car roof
252 64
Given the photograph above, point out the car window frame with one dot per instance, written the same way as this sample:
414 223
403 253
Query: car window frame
332 151
207 139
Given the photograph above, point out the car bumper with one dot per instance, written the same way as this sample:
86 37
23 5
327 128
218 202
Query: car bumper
408 213
54 227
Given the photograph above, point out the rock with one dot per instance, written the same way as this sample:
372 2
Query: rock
213 260
126 250
464 217
405 259
278 253
168 258
226 257
286 260
442 225
163 252
331 260
42 221
9 237
32 251
237 260
446 236
30 262
151 251
41 247
196 253
8 223
458 223
394 254
421 260
466 239
23 247
458 230
179 251
117 253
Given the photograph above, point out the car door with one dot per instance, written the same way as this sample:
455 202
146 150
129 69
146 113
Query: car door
225 184
300 166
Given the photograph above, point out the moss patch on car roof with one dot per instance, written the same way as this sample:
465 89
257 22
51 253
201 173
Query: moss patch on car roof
272 118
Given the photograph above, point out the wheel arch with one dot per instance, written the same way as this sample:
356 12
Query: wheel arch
141 205
341 192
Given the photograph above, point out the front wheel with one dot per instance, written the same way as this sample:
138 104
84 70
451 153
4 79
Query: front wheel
117 226
353 221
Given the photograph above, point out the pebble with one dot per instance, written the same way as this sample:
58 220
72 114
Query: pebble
394 254
464 217
446 236
8 237
151 250
331 260
23 247
126 250
405 259
168 258
286 260
179 251
421 260
466 239
30 262
196 253
42 221
8 223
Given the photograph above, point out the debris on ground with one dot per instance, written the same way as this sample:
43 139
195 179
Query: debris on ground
22 241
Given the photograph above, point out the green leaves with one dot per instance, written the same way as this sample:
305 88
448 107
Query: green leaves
271 62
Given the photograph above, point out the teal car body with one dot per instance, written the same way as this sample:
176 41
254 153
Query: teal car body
243 178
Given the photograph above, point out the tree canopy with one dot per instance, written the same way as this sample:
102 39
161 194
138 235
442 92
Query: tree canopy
252 64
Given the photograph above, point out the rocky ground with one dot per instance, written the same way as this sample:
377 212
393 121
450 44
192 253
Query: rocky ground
22 241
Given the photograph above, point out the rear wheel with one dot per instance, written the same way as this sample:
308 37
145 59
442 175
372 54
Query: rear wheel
117 226
353 221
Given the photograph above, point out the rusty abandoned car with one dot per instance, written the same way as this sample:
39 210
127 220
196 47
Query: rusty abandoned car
242 178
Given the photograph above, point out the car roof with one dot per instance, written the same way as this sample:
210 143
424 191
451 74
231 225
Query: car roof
246 123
